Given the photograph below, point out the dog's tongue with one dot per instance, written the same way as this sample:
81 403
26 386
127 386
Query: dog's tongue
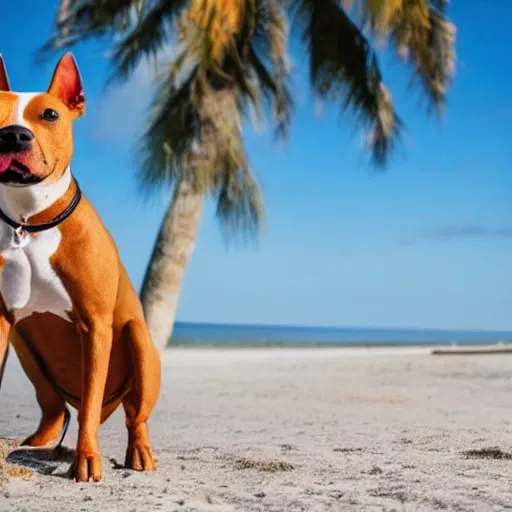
5 163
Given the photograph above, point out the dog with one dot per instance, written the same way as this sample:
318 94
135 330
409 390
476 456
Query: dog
67 305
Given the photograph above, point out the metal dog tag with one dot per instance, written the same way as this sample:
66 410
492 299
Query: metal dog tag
20 238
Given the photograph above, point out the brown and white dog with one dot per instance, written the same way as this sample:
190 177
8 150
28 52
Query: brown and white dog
67 304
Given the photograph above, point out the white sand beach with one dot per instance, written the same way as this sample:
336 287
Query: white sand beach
290 430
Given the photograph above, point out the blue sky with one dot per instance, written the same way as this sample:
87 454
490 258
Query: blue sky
426 244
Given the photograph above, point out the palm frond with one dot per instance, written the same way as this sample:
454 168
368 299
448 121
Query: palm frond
221 20
223 162
267 57
380 14
173 126
423 37
345 70
79 20
239 203
226 165
441 5
275 91
252 58
427 40
144 26
147 37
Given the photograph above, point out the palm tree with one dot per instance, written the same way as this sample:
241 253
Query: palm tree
230 57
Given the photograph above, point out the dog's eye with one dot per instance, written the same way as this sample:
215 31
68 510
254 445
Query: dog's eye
49 115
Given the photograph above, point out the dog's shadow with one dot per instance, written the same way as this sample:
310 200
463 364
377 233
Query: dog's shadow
47 461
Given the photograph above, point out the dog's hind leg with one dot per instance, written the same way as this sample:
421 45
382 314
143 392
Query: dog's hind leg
54 415
141 399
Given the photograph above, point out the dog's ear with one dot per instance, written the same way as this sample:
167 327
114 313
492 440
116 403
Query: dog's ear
4 81
66 85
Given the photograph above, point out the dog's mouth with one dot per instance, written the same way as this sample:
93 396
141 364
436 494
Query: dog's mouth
13 172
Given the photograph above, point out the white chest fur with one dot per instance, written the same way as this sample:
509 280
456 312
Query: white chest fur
28 282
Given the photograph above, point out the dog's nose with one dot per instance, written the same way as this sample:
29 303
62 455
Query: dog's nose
15 138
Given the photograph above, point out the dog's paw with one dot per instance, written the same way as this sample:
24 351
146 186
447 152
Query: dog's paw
39 439
140 457
87 467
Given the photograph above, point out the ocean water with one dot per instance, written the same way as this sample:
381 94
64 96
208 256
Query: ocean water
196 334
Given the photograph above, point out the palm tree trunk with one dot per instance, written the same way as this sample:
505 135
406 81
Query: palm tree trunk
172 251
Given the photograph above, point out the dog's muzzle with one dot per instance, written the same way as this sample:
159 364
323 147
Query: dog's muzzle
15 139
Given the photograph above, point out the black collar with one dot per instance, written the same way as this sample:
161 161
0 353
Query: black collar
36 228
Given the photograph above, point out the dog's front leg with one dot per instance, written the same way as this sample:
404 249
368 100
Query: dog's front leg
5 328
96 346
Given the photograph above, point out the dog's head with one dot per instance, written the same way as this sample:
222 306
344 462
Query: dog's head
36 137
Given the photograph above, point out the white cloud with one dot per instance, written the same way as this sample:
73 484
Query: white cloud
459 232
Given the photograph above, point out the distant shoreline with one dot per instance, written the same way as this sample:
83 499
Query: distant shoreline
239 336
183 343
320 328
